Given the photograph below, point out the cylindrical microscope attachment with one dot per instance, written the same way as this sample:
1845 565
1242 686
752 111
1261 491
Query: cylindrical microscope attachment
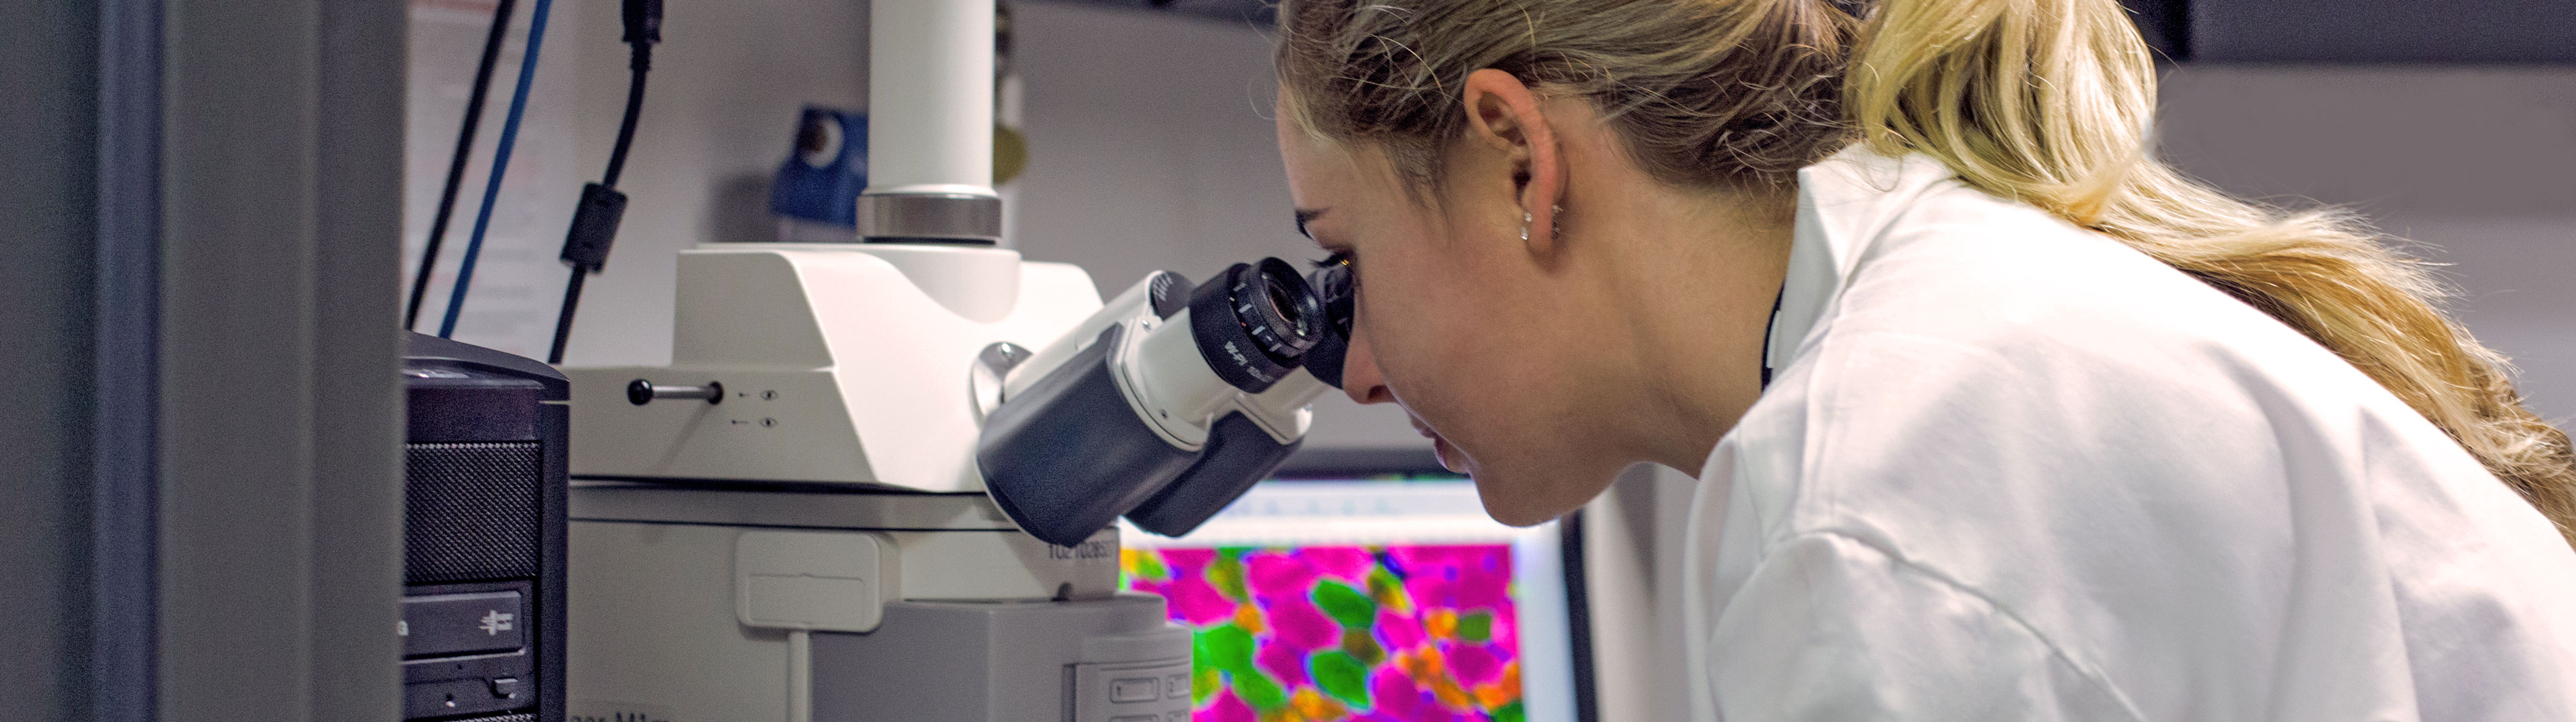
930 97
930 122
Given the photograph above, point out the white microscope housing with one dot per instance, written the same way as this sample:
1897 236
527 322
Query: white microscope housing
839 364
798 531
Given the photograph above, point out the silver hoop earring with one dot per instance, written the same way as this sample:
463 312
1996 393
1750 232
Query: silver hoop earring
1525 224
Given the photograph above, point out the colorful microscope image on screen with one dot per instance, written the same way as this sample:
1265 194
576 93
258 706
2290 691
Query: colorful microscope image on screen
1359 633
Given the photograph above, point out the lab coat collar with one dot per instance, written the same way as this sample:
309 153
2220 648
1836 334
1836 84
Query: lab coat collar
1844 202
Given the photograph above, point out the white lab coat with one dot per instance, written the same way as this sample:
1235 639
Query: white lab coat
2009 469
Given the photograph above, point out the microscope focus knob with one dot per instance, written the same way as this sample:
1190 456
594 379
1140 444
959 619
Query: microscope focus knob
642 392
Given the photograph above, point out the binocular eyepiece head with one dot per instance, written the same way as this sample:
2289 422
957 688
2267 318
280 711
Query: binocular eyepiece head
1168 403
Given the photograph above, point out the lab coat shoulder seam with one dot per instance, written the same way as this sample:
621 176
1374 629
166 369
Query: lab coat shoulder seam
1815 429
1813 503
1903 563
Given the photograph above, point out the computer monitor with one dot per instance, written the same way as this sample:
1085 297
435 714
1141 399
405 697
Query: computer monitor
1374 601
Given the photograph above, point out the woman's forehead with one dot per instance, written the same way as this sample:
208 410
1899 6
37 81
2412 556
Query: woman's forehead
1323 175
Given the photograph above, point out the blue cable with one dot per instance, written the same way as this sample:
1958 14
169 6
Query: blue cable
500 162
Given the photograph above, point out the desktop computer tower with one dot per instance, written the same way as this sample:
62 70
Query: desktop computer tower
484 460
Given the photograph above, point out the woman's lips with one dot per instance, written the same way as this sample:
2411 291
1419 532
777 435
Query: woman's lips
1439 447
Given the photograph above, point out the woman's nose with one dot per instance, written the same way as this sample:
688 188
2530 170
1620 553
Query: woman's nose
1360 377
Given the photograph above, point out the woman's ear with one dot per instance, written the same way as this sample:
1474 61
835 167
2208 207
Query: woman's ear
1503 113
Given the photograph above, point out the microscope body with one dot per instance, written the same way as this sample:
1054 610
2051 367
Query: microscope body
813 542
840 364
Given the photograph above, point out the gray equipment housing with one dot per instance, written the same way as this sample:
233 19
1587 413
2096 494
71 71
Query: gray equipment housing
961 617
977 661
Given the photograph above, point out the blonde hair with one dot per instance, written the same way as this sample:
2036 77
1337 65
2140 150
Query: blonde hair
2043 101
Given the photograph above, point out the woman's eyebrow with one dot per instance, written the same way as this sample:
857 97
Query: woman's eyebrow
1304 215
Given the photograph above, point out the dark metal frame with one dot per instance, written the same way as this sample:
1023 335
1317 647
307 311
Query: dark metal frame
123 538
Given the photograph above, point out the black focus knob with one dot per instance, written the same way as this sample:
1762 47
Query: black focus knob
642 392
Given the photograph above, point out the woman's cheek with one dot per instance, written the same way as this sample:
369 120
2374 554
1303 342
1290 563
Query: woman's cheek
1426 357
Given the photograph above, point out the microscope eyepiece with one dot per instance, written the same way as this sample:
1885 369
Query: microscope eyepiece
1332 287
1255 322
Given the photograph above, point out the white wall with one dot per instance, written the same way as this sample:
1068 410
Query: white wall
719 111
1632 561
719 114
2476 165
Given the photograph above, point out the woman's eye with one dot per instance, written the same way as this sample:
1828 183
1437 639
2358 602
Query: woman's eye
1338 258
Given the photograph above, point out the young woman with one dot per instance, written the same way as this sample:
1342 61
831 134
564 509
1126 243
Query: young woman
1996 417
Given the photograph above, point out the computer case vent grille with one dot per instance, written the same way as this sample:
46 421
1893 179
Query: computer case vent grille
471 511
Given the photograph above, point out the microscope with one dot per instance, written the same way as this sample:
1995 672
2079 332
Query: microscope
881 480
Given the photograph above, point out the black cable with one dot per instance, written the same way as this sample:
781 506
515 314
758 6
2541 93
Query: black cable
464 150
1770 326
640 61
594 221
1578 608
563 318
594 213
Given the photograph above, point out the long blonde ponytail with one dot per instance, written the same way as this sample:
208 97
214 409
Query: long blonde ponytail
2048 102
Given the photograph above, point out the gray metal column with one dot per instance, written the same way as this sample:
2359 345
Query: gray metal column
280 494
199 492
47 155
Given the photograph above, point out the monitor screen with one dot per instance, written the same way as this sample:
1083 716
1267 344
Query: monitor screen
1377 601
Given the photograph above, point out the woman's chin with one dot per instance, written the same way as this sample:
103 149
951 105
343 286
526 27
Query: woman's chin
1529 495
1518 517
1505 499
1509 504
